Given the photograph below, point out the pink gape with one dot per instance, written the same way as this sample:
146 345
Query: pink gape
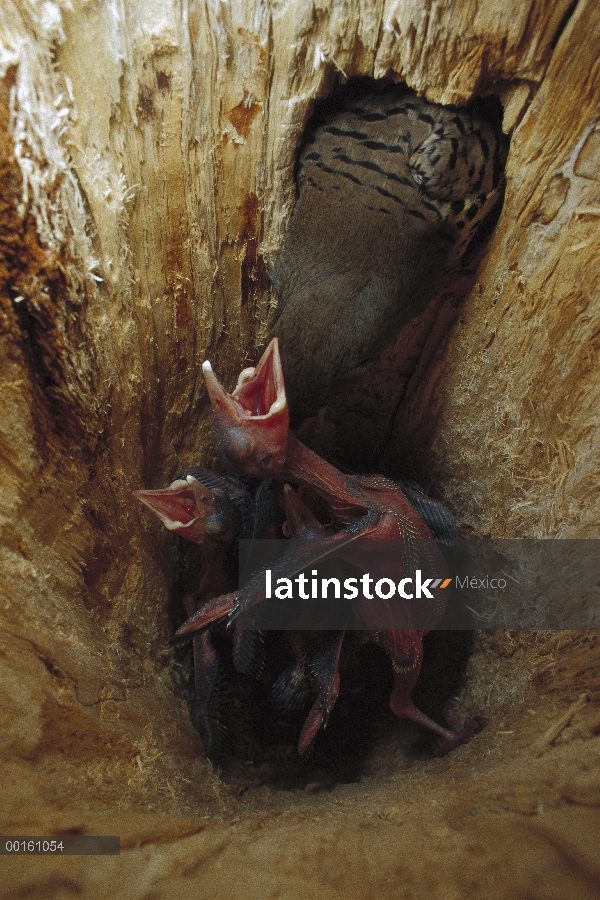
251 435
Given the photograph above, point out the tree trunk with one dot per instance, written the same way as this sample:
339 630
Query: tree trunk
147 158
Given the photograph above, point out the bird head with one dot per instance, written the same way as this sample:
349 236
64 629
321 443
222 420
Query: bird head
251 425
194 511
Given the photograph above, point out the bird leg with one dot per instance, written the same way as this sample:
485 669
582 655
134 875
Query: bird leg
402 706
324 668
208 676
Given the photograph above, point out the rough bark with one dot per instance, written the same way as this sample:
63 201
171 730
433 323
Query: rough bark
146 168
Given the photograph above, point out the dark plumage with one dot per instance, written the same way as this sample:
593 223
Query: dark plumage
393 194
251 428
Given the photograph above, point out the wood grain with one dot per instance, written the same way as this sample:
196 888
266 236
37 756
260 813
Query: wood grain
147 157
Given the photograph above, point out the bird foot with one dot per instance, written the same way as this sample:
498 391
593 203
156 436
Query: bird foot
470 728
403 707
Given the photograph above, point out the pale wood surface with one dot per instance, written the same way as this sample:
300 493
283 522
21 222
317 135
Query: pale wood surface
146 162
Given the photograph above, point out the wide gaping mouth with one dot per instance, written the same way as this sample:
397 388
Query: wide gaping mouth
176 506
260 391
251 425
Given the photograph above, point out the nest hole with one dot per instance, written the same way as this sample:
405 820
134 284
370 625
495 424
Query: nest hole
258 741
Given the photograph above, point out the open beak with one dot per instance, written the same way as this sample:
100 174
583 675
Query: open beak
192 510
251 425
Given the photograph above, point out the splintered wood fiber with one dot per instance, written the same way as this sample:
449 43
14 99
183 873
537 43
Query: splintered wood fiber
147 158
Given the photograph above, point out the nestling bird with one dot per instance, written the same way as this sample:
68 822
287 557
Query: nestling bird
251 434
396 195
212 511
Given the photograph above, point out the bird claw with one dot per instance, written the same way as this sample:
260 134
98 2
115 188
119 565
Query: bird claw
471 727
